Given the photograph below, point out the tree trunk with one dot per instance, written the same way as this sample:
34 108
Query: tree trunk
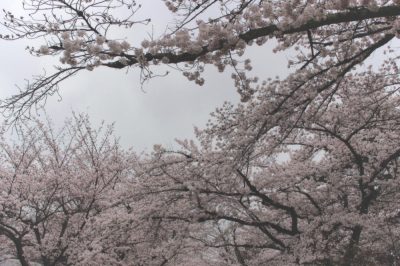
20 253
352 248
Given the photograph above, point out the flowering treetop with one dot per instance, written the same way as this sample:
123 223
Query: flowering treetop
302 172
331 37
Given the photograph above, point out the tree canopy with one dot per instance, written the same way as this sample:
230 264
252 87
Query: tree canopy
302 172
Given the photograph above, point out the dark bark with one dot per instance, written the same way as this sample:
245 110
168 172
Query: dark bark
20 252
351 250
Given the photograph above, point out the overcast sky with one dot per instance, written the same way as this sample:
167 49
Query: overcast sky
166 108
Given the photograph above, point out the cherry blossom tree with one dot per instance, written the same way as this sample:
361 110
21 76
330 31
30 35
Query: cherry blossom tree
302 172
331 38
72 197
59 193
314 186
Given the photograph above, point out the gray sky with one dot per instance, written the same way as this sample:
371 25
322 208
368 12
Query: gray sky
166 108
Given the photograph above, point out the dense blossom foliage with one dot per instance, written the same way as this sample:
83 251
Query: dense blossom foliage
302 172
58 191
316 186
